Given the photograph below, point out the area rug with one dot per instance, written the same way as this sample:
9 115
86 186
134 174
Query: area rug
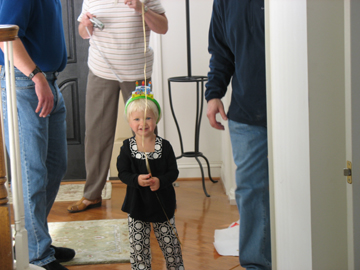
95 241
74 192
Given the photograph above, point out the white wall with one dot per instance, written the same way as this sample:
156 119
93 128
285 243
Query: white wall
174 55
306 101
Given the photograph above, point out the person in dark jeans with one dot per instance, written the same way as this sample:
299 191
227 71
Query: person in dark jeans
237 48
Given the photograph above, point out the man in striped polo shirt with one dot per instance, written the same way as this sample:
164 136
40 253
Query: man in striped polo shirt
116 61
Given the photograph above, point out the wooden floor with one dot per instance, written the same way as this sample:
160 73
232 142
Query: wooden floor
196 219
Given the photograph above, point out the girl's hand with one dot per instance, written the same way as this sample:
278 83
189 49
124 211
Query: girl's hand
144 180
155 184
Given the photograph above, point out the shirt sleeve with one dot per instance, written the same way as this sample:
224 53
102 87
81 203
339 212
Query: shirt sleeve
124 166
222 59
16 12
84 9
155 6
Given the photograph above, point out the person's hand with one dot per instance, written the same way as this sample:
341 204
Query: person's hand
85 20
135 4
86 24
155 184
44 94
215 106
144 180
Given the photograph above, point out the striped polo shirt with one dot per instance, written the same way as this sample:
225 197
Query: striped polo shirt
121 42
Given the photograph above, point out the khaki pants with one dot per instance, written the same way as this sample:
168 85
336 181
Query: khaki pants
102 99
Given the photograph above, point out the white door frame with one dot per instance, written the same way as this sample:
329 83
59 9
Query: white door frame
306 126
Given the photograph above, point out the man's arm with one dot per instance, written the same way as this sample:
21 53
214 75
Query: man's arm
221 69
26 65
85 22
157 23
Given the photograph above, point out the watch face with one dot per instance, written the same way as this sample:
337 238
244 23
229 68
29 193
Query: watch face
35 71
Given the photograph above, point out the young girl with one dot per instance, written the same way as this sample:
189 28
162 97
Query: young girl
150 195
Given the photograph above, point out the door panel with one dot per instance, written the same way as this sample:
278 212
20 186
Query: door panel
352 85
72 83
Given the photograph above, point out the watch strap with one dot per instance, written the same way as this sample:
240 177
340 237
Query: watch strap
36 71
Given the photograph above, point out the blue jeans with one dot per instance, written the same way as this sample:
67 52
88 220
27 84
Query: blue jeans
43 151
249 145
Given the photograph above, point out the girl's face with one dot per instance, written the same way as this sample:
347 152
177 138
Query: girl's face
136 122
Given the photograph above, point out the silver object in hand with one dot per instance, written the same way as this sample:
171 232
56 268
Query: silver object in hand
97 23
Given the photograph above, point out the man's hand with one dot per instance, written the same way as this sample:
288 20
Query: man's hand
85 20
157 23
215 106
86 24
135 4
44 94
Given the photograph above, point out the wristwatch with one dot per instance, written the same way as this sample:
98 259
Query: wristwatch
36 71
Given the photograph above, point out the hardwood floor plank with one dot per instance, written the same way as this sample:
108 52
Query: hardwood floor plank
196 219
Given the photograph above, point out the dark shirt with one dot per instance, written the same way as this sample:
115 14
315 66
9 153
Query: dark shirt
140 202
40 30
237 48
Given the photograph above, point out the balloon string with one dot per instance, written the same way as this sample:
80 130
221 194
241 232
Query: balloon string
146 106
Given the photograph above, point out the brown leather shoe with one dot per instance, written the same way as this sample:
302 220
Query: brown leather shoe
80 206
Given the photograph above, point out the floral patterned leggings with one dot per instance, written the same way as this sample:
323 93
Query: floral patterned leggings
140 252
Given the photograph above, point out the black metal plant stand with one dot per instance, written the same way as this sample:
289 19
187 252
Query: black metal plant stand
199 80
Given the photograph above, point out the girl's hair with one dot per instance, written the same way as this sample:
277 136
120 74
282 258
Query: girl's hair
140 105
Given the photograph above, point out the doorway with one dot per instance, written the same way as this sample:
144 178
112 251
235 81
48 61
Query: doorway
72 82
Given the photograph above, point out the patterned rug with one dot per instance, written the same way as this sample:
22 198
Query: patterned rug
95 241
74 192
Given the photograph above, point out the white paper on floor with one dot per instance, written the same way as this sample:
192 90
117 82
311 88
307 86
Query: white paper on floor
227 240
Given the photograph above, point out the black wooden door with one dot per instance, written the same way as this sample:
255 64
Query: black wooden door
72 83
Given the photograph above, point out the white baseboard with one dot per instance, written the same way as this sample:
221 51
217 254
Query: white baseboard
231 196
228 182
191 170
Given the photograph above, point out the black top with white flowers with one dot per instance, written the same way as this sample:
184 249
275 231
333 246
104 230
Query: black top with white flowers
140 202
